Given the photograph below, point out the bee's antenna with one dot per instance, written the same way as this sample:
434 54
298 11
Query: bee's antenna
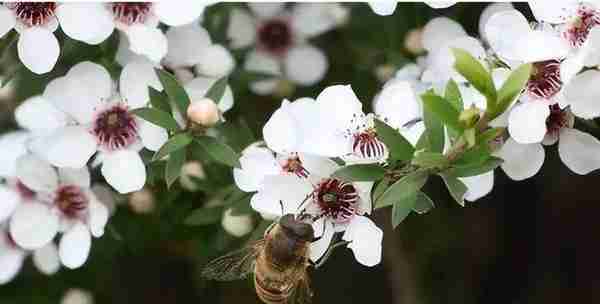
281 205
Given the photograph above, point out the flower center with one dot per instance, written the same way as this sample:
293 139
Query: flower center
275 36
71 201
366 144
557 119
579 28
115 128
336 199
544 81
131 12
33 13
294 165
25 193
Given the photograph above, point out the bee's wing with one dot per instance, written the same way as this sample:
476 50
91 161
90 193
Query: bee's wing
302 293
235 265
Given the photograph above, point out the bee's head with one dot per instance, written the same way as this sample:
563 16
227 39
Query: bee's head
297 229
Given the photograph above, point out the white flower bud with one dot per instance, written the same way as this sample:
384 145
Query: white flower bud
237 226
77 296
142 201
203 112
384 72
192 169
183 75
414 41
216 62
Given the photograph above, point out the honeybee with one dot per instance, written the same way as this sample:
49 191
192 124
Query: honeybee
279 262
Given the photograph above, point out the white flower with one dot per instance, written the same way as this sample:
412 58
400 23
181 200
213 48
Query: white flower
387 7
12 191
65 204
279 40
12 257
579 151
94 22
583 94
93 118
191 46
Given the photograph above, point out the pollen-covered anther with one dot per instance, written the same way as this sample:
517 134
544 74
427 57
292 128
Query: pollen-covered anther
71 201
131 12
577 31
115 128
337 200
366 145
33 13
545 81
293 165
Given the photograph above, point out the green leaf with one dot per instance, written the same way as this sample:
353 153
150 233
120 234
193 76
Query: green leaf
475 169
489 135
360 173
477 75
405 187
430 159
157 117
435 131
203 217
398 146
218 151
379 189
174 90
423 142
442 110
512 88
174 165
217 90
475 155
174 143
402 208
423 204
456 188
453 96
159 100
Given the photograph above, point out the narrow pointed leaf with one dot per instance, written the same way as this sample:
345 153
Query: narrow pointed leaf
442 110
174 165
477 75
456 188
475 169
512 88
175 143
405 187
423 204
218 151
435 131
157 117
217 90
398 146
360 173
402 208
453 96
159 100
174 90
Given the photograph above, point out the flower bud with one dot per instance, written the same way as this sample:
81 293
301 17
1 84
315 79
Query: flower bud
469 117
142 201
190 171
385 72
77 296
237 225
203 112
414 41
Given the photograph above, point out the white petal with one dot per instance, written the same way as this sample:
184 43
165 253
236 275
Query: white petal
398 104
365 240
88 22
478 186
488 12
263 63
318 167
79 177
69 147
186 45
383 7
579 151
558 12
148 41
256 164
135 79
440 4
46 259
414 132
281 133
242 29
318 248
180 12
36 173
7 20
124 171
98 217
33 225
527 122
442 59
199 86
153 137
10 200
521 161
591 51
124 54
75 246
266 10
287 189
14 145
439 31
216 61
340 102
305 65
11 261
38 114
582 93
541 46
38 49
501 30
81 91
311 19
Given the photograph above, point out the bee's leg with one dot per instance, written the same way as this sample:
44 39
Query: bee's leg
269 229
322 233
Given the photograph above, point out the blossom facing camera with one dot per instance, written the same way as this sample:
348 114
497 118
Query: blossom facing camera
204 112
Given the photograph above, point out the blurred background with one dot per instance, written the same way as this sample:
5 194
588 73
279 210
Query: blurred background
526 242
